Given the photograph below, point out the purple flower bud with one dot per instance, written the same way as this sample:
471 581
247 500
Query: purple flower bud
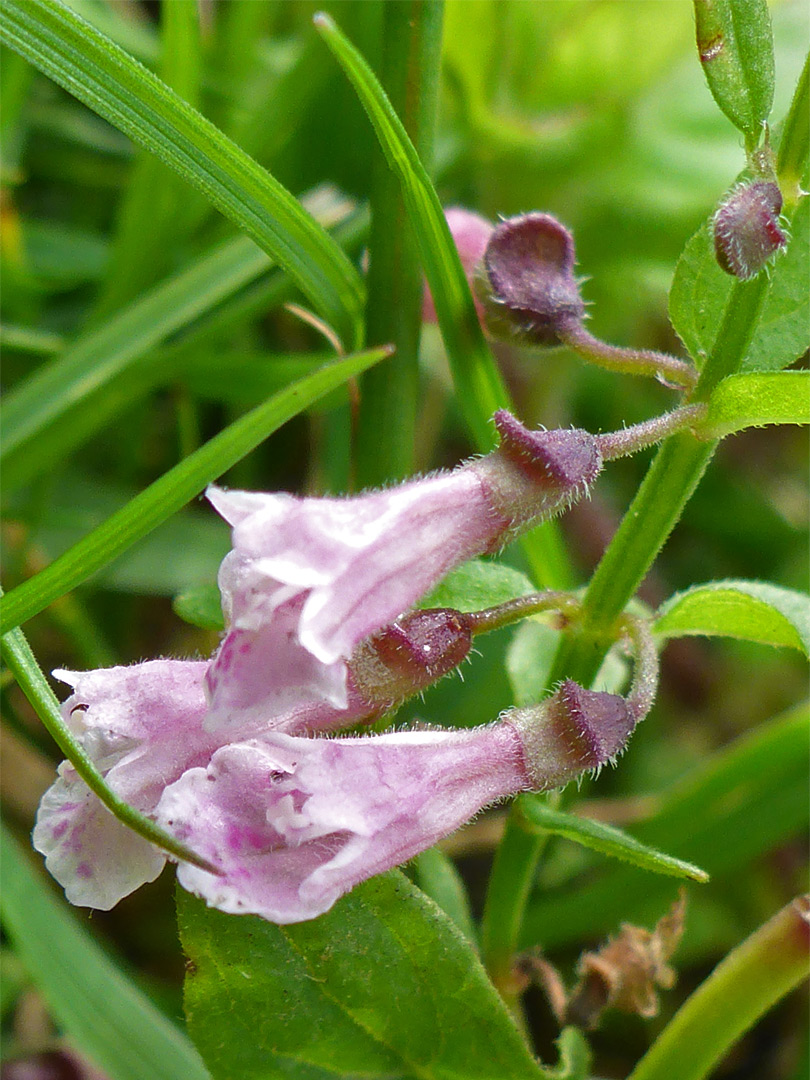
746 229
573 731
527 284
410 654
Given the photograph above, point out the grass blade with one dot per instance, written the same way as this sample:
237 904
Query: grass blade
87 64
478 382
175 488
480 391
52 395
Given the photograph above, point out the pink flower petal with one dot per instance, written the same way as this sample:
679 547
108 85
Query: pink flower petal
295 823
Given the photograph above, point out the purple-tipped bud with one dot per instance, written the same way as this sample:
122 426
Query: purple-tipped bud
527 283
409 655
746 229
573 731
536 474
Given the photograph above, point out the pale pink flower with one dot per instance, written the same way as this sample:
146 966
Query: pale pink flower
308 579
292 824
471 233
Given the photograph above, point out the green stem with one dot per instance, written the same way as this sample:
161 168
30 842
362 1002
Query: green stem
412 37
673 476
21 662
671 479
751 979
510 884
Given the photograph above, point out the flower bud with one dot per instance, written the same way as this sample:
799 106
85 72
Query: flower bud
573 731
410 654
536 474
746 229
526 281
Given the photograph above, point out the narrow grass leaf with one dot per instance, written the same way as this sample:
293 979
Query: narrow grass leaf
175 488
55 392
750 610
536 816
100 1010
95 70
478 383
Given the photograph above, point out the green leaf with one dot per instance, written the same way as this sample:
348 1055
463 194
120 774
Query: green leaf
100 1010
96 71
436 875
476 585
576 1058
751 610
538 816
735 45
175 488
201 607
754 400
383 986
701 290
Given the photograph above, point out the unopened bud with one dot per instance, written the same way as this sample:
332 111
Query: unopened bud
536 474
530 295
573 731
410 654
527 282
746 229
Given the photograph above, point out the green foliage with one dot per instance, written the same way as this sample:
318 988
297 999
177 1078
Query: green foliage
735 45
751 610
383 985
754 400
201 607
538 816
478 584
94 69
